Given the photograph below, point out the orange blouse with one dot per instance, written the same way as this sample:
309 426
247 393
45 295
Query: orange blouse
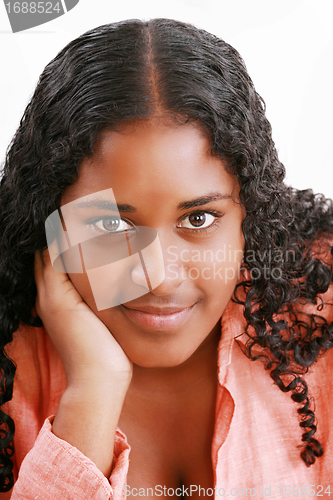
255 448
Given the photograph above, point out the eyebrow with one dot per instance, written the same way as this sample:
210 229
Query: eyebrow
197 202
106 205
203 200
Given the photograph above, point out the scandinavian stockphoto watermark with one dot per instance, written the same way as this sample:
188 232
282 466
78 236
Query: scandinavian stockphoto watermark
123 261
205 264
226 263
25 14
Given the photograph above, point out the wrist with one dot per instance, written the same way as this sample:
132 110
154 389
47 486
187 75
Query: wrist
100 380
101 393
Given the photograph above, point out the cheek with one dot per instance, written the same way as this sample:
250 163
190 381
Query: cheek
215 265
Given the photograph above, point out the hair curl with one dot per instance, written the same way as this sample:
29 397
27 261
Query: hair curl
133 70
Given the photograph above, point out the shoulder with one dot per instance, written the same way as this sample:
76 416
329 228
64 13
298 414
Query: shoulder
31 347
39 379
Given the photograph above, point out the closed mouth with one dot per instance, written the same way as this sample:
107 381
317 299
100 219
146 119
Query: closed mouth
157 318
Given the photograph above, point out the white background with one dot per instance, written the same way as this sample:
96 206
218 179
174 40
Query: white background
287 46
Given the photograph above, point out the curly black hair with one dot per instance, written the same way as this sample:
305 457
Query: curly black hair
133 70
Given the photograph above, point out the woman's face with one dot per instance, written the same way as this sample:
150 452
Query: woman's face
163 177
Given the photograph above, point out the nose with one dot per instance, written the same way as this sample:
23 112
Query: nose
155 269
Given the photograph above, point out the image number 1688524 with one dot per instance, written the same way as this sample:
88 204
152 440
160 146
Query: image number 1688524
33 7
23 15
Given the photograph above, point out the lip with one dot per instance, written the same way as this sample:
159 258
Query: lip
159 318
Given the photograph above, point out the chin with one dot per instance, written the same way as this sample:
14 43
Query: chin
158 359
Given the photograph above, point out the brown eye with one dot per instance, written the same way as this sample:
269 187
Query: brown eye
200 220
197 220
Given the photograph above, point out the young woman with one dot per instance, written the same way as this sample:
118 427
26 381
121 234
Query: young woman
128 362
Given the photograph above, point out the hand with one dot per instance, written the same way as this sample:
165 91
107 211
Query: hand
85 345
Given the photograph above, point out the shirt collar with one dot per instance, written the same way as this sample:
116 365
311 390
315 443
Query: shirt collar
233 326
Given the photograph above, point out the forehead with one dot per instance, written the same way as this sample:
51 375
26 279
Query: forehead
152 160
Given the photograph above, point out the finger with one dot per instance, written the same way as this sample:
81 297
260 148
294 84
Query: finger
52 255
41 265
42 259
53 263
51 284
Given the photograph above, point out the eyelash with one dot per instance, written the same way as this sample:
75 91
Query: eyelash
214 213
